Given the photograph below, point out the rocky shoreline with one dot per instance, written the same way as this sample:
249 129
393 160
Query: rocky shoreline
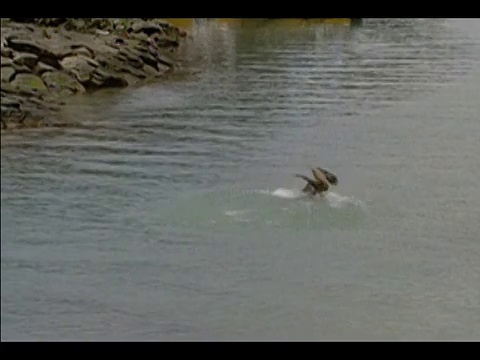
45 60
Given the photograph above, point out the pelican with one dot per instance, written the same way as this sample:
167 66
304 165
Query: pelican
322 182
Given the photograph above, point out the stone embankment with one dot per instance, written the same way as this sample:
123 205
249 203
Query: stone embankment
44 60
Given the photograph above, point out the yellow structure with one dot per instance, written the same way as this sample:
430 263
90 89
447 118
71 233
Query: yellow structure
188 22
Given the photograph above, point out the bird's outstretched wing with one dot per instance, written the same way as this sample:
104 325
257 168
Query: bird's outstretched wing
318 185
308 180
332 178
319 175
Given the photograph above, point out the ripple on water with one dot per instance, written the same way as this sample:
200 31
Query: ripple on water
283 208
185 187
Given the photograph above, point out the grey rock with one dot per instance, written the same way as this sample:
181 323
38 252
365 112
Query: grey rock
116 65
131 79
29 83
6 61
165 61
122 57
147 57
42 68
132 57
102 32
165 43
10 102
26 59
44 104
44 54
12 115
41 21
82 47
103 78
82 50
144 38
62 83
7 52
22 69
145 27
139 73
41 62
165 69
47 33
150 70
74 24
7 73
80 66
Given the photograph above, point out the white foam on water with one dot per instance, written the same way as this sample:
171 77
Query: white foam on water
338 201
286 193
282 193
237 215
234 213
334 200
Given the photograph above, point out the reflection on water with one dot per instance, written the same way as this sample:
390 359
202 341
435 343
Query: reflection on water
174 213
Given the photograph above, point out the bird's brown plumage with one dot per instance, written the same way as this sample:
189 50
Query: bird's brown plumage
321 182
332 179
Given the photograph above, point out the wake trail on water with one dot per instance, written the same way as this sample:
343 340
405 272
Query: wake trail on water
334 199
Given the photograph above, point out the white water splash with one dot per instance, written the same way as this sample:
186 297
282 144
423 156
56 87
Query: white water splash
234 213
237 215
334 199
286 193
282 193
339 201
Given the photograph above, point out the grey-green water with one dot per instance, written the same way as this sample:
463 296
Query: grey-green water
174 214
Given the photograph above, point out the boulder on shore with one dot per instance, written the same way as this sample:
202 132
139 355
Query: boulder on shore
46 59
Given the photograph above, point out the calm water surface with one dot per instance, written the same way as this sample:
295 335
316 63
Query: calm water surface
174 214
